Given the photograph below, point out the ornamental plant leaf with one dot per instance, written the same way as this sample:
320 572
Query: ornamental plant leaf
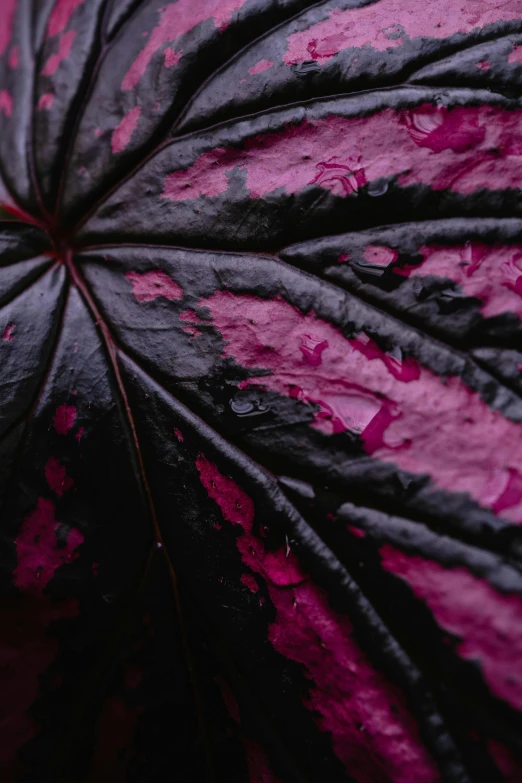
260 396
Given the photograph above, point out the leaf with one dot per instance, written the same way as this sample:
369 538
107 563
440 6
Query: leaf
260 431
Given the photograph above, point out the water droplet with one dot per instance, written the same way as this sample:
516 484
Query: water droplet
375 189
306 68
394 32
244 407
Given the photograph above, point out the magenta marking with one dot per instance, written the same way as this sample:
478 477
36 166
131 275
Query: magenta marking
79 434
238 508
192 320
379 255
46 101
515 56
489 624
132 677
259 769
6 102
483 65
6 24
177 19
64 418
388 24
8 333
196 180
148 286
249 581
171 57
14 57
114 745
229 700
448 149
312 348
37 548
191 316
403 413
441 129
61 15
506 761
491 273
356 531
28 651
372 731
343 258
262 65
122 133
64 50
179 434
56 476
512 493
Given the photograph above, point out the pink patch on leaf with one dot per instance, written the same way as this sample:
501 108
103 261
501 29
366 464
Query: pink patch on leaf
114 745
46 101
64 50
491 273
488 623
64 418
356 531
133 677
171 57
506 761
229 700
38 550
440 129
6 24
259 769
249 581
483 65
56 476
512 492
14 57
197 180
372 731
148 286
192 320
122 133
178 434
515 56
404 413
387 24
8 333
452 149
176 19
61 15
262 65
27 651
312 348
379 255
6 103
